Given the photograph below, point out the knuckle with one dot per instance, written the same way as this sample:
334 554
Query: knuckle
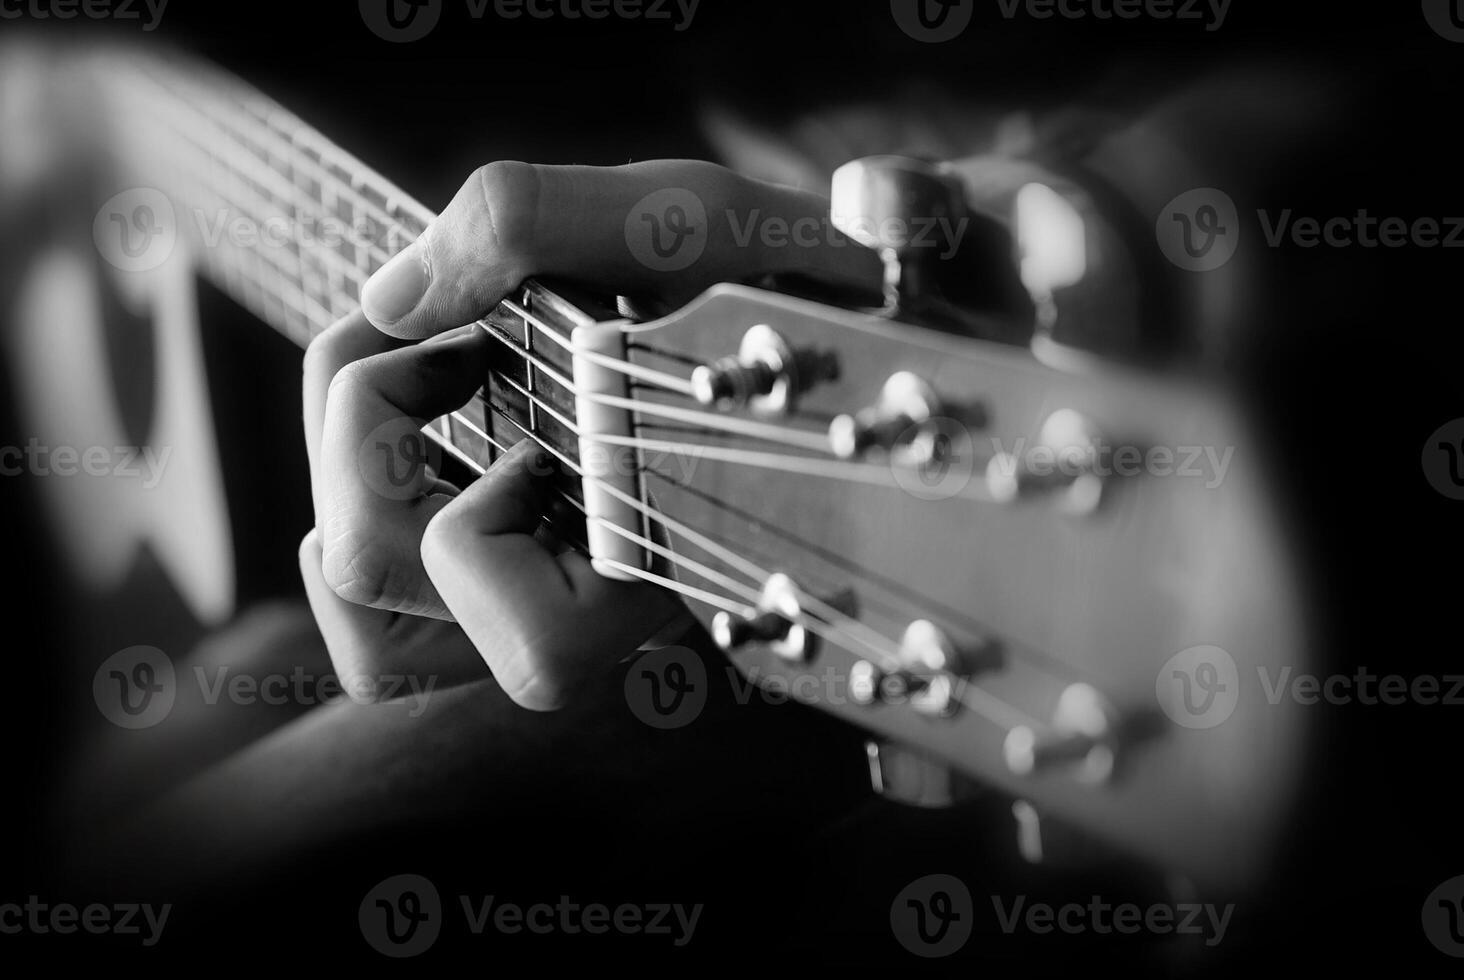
352 381
356 570
322 355
509 195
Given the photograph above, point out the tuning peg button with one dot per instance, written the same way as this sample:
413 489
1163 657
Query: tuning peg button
1082 734
1071 443
902 208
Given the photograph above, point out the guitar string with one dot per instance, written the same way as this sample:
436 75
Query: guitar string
857 472
618 365
795 438
239 138
806 439
967 694
740 456
979 700
731 454
880 646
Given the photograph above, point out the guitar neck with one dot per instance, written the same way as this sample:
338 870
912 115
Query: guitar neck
291 226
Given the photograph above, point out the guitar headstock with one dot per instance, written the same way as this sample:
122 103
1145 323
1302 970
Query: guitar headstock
1060 580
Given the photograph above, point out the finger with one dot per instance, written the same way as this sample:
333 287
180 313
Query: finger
543 623
372 651
378 490
349 339
668 228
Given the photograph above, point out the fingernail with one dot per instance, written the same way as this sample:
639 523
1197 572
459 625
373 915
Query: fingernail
397 287
456 333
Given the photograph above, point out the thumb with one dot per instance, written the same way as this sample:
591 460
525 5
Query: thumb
510 221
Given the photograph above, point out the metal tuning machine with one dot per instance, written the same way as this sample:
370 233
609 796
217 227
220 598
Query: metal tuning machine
766 375
909 421
932 668
1083 734
1063 463
776 621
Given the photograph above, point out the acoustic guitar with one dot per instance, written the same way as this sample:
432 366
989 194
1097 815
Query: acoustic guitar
1013 564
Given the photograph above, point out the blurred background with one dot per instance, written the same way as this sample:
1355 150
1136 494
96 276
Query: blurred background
1347 359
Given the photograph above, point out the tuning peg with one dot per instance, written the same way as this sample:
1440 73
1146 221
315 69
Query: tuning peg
904 402
766 375
907 418
907 210
931 669
776 621
1070 443
1083 733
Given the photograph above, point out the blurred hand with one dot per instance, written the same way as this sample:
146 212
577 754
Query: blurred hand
416 577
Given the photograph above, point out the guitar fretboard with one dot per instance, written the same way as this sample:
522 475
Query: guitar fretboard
291 226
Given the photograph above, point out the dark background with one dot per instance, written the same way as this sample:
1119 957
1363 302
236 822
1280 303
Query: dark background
1352 364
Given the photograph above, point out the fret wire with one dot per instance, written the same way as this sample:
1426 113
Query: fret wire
808 440
748 593
796 438
529 320
189 93
289 191
880 646
391 192
658 378
346 187
477 468
326 254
